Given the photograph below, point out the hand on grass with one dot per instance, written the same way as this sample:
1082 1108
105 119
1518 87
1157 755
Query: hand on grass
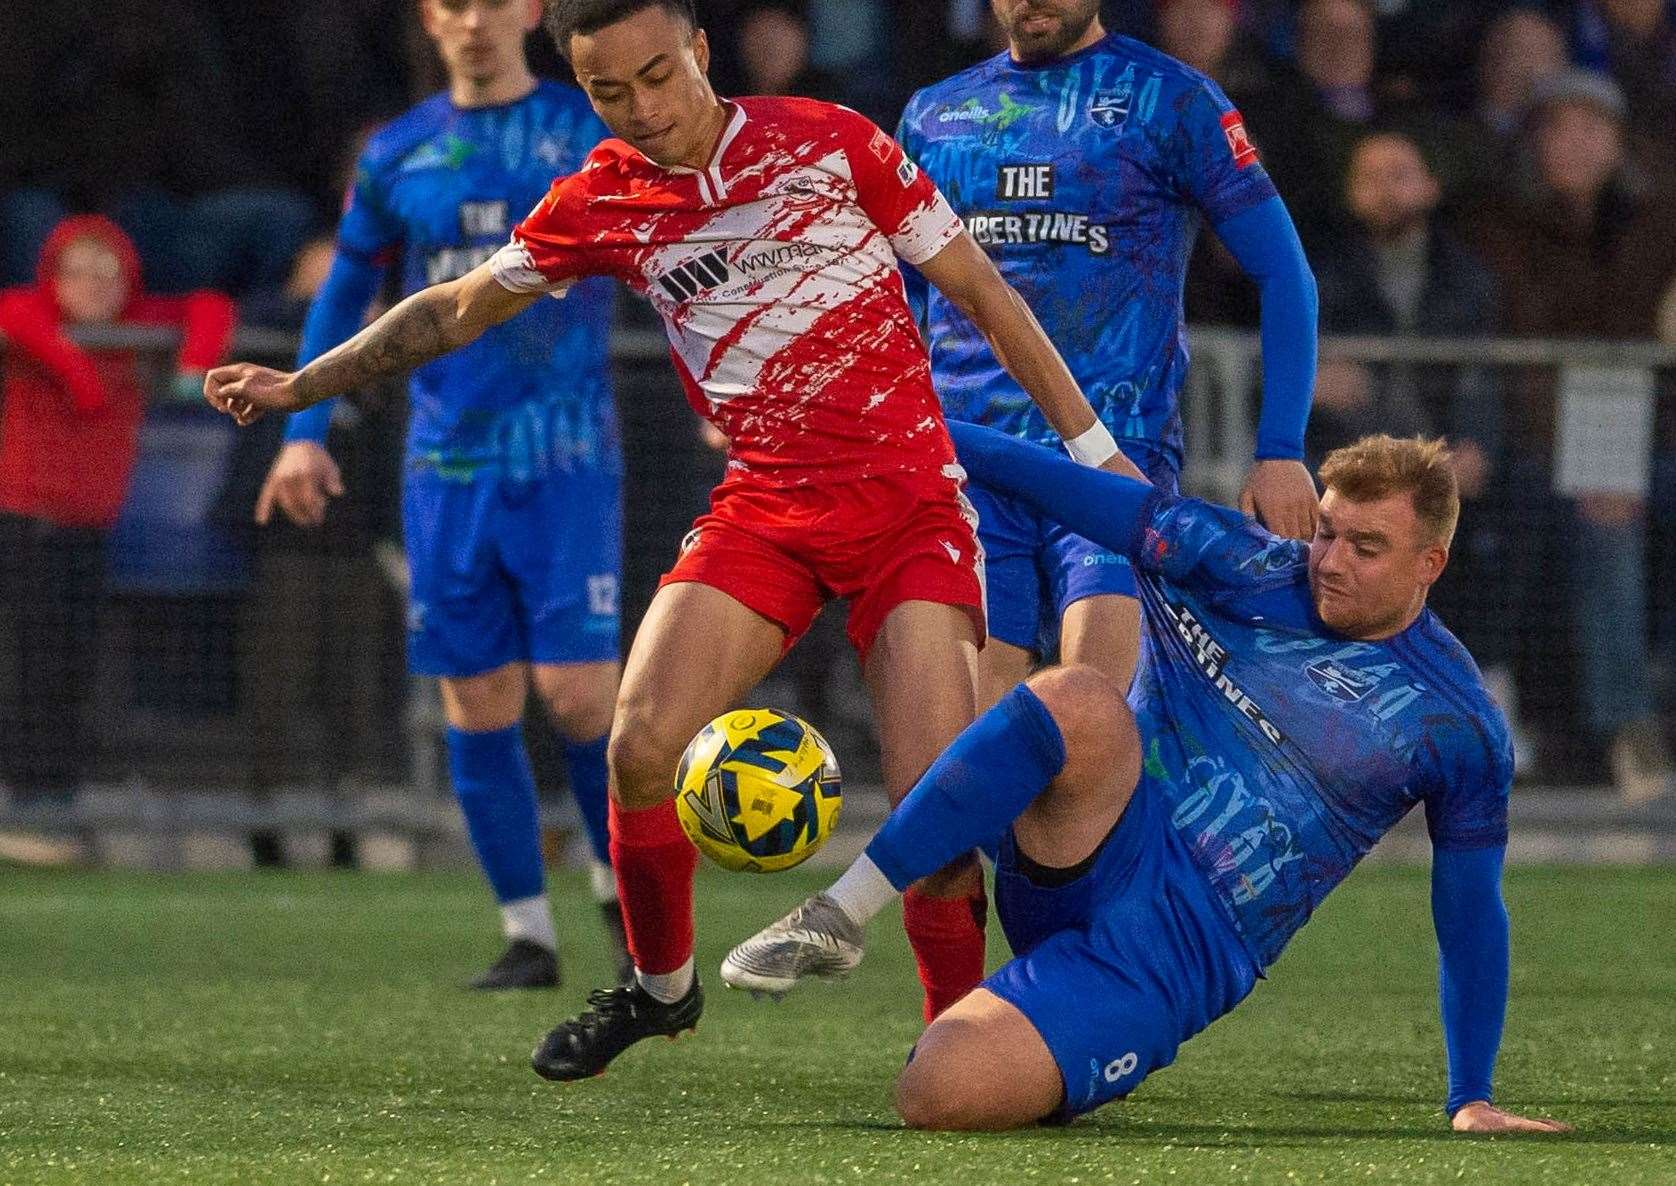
1480 1116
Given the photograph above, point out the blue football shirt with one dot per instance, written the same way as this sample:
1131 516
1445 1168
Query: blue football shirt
1086 179
438 191
1286 751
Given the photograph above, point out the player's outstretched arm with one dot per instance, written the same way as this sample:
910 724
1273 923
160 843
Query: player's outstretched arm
1279 491
425 326
1107 508
1473 958
963 273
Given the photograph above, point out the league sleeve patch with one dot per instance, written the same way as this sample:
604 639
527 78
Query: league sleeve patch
881 146
1245 152
906 172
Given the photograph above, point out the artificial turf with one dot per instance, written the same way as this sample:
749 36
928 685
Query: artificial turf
310 1028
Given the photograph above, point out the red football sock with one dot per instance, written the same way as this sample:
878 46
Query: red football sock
654 863
947 937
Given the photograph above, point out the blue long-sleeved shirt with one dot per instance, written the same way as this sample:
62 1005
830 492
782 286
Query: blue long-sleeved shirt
1087 179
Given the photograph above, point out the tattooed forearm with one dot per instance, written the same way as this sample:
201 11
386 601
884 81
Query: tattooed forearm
421 328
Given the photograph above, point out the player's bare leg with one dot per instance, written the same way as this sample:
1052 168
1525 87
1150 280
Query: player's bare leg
1068 820
496 791
579 699
1001 668
922 673
1102 632
492 700
696 653
980 1066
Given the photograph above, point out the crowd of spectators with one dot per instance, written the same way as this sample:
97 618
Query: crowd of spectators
1456 169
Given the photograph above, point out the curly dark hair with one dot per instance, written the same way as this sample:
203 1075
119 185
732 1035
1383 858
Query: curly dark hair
566 18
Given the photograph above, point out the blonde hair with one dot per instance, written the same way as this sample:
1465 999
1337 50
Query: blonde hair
1379 466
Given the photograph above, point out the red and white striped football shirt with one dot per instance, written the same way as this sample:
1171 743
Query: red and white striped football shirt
775 272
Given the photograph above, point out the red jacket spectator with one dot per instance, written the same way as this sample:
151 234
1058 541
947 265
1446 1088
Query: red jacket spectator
69 418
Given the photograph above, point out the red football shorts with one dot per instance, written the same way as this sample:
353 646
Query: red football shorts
786 551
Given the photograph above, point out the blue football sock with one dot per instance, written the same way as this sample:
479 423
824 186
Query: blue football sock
587 784
496 790
980 784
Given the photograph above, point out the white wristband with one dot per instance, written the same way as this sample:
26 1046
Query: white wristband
1094 447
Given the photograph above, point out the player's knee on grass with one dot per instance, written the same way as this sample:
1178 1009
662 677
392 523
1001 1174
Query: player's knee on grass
1101 742
968 1075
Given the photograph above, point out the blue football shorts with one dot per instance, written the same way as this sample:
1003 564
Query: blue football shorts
511 571
1035 567
1117 968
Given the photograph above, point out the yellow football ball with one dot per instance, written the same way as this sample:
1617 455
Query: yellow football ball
758 790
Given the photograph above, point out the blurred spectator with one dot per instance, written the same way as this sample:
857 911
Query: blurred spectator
1520 49
773 44
1582 242
1394 271
1305 125
1206 35
68 433
1634 40
1427 49
286 307
316 703
848 42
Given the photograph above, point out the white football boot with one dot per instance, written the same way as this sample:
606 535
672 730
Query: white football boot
817 939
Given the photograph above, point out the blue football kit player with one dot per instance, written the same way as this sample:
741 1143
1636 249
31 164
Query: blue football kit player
1293 701
1085 164
512 492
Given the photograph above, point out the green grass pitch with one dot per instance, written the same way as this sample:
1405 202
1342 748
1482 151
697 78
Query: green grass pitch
309 1028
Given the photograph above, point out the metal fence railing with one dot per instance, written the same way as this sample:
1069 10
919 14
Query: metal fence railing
254 701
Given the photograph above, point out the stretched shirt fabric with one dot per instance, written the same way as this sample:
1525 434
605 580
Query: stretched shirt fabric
1086 179
1285 750
1288 750
436 193
775 270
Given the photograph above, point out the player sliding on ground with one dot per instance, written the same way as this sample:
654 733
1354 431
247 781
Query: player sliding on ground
767 233
1293 701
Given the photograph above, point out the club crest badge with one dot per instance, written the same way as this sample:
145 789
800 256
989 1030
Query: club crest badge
1340 682
1110 108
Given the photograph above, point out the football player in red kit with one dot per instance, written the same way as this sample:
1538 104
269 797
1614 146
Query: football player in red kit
767 234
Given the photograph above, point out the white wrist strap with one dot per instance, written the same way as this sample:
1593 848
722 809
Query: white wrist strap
1094 447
